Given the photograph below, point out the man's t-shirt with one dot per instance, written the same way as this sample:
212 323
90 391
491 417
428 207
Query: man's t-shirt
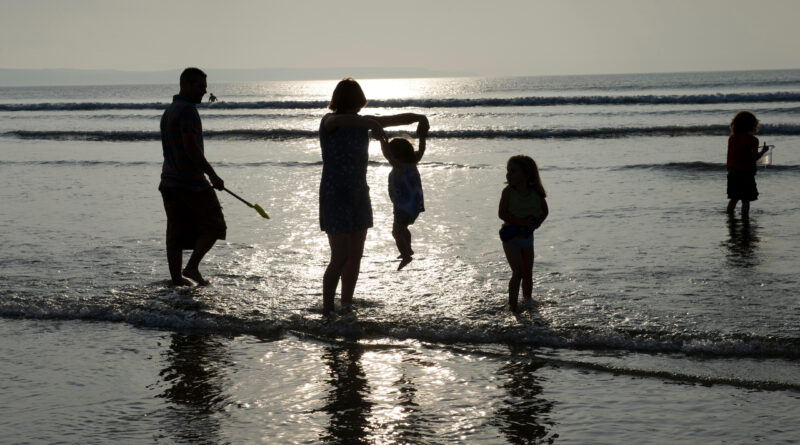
178 170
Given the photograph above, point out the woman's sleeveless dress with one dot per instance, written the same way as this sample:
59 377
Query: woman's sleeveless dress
344 204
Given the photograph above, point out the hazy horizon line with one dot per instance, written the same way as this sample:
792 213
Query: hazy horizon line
23 77
80 76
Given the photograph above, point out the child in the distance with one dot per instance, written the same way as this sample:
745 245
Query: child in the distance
523 209
741 164
405 191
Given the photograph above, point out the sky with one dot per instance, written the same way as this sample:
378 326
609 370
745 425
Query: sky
491 38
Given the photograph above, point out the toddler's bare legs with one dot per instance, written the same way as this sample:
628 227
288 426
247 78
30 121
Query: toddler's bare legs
402 237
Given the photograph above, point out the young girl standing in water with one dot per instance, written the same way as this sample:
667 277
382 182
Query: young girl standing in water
523 209
405 190
741 165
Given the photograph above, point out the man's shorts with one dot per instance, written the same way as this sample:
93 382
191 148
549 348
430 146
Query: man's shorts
191 214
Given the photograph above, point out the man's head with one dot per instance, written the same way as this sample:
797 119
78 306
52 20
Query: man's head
193 84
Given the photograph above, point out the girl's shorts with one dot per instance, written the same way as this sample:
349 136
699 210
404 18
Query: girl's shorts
523 243
742 186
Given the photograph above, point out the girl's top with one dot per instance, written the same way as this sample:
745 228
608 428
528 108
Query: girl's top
524 206
405 191
344 204
742 152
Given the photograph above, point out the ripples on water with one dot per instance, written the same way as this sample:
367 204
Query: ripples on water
98 382
638 271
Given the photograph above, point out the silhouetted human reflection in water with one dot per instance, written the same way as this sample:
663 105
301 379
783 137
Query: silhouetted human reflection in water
195 386
742 242
347 402
413 427
524 416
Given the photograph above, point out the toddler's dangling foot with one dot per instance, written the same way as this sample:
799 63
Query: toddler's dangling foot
400 257
404 262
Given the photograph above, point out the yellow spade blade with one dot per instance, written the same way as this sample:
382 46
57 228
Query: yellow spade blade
260 211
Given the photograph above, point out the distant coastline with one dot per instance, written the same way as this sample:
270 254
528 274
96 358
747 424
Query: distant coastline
67 77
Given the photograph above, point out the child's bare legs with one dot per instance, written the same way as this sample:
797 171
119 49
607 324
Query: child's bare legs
402 237
514 257
527 272
345 263
732 206
745 207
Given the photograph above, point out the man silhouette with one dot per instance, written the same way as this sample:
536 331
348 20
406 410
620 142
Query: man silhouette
194 216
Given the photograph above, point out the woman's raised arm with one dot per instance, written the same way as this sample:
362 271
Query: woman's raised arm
394 120
334 121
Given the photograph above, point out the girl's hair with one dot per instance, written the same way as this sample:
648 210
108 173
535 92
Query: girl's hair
402 150
531 170
347 95
744 122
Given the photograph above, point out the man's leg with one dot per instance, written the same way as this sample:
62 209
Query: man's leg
211 226
175 259
203 244
174 251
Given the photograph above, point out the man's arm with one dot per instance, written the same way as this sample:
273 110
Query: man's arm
192 147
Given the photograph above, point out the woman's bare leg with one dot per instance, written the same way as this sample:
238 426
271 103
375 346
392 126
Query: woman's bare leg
333 272
352 267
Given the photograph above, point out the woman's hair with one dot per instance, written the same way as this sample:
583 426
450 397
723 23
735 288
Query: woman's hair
744 122
347 95
531 170
402 150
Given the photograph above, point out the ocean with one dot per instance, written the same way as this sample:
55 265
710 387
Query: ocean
657 318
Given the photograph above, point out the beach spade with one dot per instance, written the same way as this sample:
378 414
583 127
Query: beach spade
252 206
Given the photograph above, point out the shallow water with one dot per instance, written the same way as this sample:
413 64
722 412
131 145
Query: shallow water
643 286
99 382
